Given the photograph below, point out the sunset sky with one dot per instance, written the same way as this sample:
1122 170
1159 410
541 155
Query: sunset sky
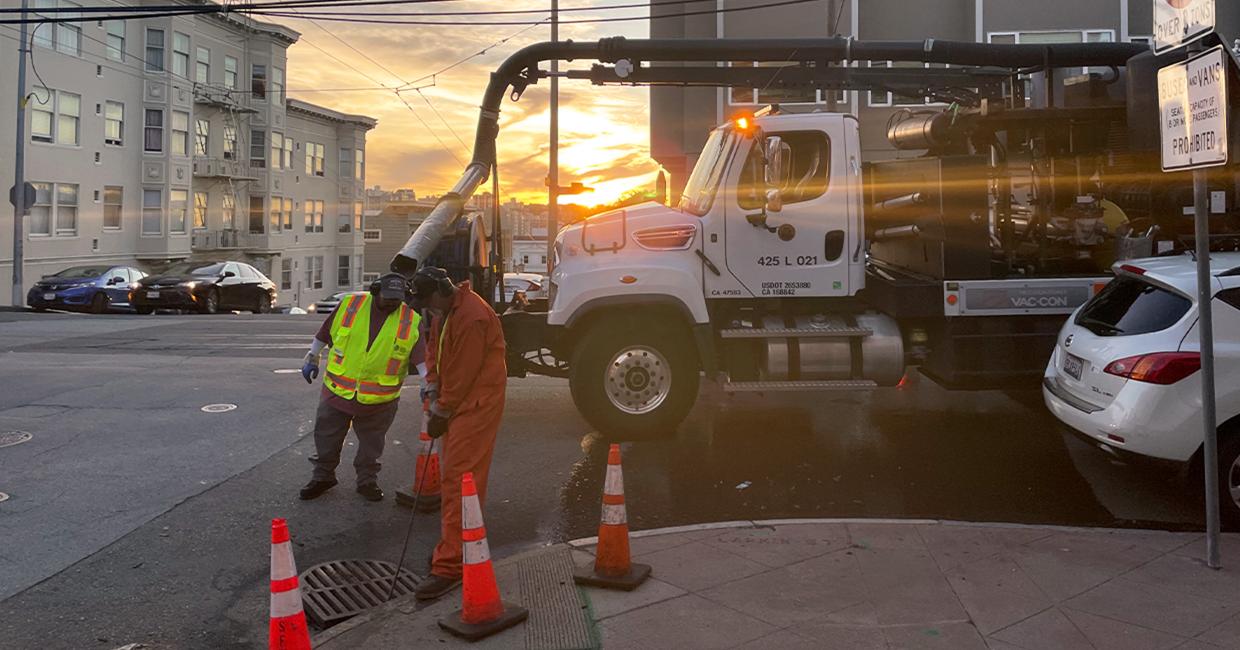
604 137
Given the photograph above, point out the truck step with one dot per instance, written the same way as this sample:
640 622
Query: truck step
798 386
795 332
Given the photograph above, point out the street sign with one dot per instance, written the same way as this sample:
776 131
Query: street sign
1179 22
1192 101
27 200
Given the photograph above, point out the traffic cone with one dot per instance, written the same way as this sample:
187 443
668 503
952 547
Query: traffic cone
612 567
288 622
425 473
482 612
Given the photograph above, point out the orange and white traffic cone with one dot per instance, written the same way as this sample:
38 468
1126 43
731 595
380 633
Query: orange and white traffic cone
288 629
425 473
482 612
612 566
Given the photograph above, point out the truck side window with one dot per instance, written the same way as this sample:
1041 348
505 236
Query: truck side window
807 177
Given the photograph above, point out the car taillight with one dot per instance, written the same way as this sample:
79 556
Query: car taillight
1157 368
666 238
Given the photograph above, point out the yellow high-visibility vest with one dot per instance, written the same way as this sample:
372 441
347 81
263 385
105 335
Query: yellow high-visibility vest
374 375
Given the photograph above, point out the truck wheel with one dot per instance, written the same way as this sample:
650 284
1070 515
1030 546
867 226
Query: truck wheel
634 379
1229 479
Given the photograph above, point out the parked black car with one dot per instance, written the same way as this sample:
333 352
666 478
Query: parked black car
97 289
206 287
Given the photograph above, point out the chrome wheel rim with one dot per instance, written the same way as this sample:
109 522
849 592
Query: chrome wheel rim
1233 481
637 380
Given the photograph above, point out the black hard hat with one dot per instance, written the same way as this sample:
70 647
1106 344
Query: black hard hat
394 286
430 280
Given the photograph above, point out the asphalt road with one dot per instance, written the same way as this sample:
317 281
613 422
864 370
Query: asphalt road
134 516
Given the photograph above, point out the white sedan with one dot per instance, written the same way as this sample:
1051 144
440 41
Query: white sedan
1126 368
532 284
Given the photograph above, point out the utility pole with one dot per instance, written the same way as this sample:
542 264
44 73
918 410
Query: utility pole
19 163
553 171
833 28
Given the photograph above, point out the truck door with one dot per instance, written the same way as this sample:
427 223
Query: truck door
803 250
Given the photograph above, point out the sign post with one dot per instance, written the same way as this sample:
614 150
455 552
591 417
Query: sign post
1192 99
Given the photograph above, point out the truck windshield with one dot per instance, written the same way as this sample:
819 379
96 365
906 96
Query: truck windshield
702 183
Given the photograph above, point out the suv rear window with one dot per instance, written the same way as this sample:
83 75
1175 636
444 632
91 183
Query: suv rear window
1129 306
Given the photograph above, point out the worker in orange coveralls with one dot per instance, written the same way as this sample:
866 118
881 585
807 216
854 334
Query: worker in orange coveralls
466 381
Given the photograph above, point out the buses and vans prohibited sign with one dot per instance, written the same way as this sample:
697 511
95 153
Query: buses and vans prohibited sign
1192 100
1179 22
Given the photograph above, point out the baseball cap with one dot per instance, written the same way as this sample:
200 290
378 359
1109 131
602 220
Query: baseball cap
428 280
394 286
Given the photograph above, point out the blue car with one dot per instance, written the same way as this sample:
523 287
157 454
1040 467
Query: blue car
97 289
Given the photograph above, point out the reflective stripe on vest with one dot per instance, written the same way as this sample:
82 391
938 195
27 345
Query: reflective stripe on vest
350 312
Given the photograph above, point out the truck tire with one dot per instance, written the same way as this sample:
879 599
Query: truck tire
634 379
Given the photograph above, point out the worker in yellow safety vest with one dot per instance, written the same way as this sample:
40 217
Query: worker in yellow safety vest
372 343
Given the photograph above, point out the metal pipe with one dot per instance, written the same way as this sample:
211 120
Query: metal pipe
553 155
1205 334
19 165
908 200
521 69
897 232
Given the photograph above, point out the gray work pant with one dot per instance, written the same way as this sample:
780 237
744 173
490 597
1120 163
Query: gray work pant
331 425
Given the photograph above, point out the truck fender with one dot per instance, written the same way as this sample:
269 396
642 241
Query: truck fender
703 335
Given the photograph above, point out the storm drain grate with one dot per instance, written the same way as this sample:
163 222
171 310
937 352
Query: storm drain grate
338 590
10 438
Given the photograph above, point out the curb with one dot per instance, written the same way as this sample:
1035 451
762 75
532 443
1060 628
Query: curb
758 523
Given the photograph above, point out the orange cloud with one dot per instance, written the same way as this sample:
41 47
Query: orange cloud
604 131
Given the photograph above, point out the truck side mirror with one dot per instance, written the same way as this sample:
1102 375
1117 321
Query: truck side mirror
773 153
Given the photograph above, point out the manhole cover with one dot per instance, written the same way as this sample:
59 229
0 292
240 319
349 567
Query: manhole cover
3 497
286 371
10 438
218 408
341 589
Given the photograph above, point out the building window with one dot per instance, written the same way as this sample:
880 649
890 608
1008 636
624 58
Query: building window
180 133
66 37
369 278
258 82
202 65
55 116
277 214
202 138
879 98
113 199
178 201
256 215
314 158
314 216
152 212
288 214
346 161
153 140
314 272
372 235
180 55
343 270
230 142
277 85
525 259
277 150
286 273
344 220
228 211
357 216
230 72
114 123
41 211
288 153
116 40
154 50
258 148
200 210
359 165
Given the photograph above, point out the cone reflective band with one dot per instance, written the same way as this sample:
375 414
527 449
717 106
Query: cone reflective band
482 612
612 565
288 622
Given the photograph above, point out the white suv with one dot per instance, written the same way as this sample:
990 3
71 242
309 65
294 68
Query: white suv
1125 370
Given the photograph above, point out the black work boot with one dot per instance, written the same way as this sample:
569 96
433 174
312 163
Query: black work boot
371 491
434 586
315 488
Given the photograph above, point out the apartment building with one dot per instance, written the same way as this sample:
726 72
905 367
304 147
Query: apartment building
163 139
681 117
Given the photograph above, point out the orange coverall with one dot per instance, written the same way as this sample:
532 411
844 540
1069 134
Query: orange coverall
469 366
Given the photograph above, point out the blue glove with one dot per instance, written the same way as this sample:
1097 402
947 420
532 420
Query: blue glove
310 372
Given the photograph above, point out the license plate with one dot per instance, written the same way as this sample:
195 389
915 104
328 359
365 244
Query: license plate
49 296
1073 365
152 295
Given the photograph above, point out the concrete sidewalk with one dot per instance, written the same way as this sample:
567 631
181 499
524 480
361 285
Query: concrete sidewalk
858 584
